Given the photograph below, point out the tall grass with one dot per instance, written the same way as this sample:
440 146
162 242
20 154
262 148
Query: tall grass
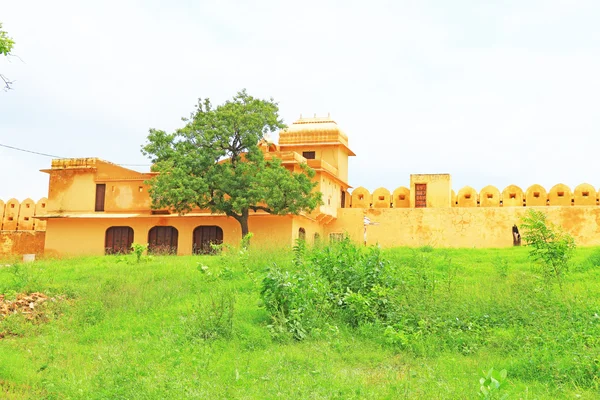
398 323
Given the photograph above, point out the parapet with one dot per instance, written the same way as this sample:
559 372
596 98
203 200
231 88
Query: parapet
512 196
20 216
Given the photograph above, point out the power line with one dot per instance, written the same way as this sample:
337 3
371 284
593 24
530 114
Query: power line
54 156
29 151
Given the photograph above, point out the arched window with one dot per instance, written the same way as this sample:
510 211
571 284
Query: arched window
204 236
301 234
118 240
317 238
163 240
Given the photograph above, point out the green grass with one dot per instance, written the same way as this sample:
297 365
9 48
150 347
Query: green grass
159 329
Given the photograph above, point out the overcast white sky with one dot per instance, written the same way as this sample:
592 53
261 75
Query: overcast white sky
492 92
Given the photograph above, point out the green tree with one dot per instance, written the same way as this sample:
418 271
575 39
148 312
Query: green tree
214 162
549 244
6 45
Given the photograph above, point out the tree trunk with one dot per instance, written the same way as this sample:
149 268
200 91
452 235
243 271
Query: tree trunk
244 223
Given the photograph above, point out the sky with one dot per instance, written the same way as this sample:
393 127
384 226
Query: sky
491 92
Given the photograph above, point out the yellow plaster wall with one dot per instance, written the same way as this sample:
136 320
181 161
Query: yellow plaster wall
71 190
26 213
310 227
123 196
332 193
467 197
556 199
11 215
489 196
401 197
512 196
439 189
40 211
86 236
381 198
530 196
361 198
585 195
460 227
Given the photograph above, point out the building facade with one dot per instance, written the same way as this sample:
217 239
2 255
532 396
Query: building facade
96 207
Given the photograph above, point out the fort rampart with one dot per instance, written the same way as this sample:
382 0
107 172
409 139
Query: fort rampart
490 196
20 231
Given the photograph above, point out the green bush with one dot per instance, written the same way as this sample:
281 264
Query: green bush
549 245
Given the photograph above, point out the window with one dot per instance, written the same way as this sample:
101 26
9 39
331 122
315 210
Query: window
204 236
420 195
309 155
163 240
301 234
336 237
100 196
118 240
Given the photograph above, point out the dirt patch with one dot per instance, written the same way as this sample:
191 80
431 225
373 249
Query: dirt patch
26 304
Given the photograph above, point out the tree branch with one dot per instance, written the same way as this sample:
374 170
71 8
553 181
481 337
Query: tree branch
263 208
7 83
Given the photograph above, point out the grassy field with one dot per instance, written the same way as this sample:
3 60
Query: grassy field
431 325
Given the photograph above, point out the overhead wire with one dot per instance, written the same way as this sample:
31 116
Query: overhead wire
55 156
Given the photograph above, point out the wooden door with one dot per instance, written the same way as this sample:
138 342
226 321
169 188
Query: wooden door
118 240
204 236
420 195
100 196
163 240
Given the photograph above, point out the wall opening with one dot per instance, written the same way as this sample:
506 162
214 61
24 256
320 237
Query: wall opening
536 194
467 195
420 195
163 240
402 196
361 196
118 240
100 197
560 194
381 198
585 194
490 195
309 155
512 195
302 234
204 236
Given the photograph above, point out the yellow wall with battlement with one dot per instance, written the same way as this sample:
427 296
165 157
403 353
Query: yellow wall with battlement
488 197
459 227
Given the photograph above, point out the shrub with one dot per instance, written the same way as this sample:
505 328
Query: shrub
549 245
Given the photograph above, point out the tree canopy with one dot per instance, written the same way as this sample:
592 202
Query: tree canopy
215 162
6 45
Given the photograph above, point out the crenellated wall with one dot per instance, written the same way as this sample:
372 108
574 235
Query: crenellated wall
20 231
490 196
18 215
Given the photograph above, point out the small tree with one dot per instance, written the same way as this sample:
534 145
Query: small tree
549 244
6 45
215 163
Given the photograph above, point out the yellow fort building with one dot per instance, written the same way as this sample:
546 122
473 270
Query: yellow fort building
96 207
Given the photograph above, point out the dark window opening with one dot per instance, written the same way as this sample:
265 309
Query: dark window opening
301 234
100 196
585 194
490 196
118 240
309 155
536 194
343 198
467 195
402 197
204 236
513 195
560 194
381 197
361 196
163 240
317 238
